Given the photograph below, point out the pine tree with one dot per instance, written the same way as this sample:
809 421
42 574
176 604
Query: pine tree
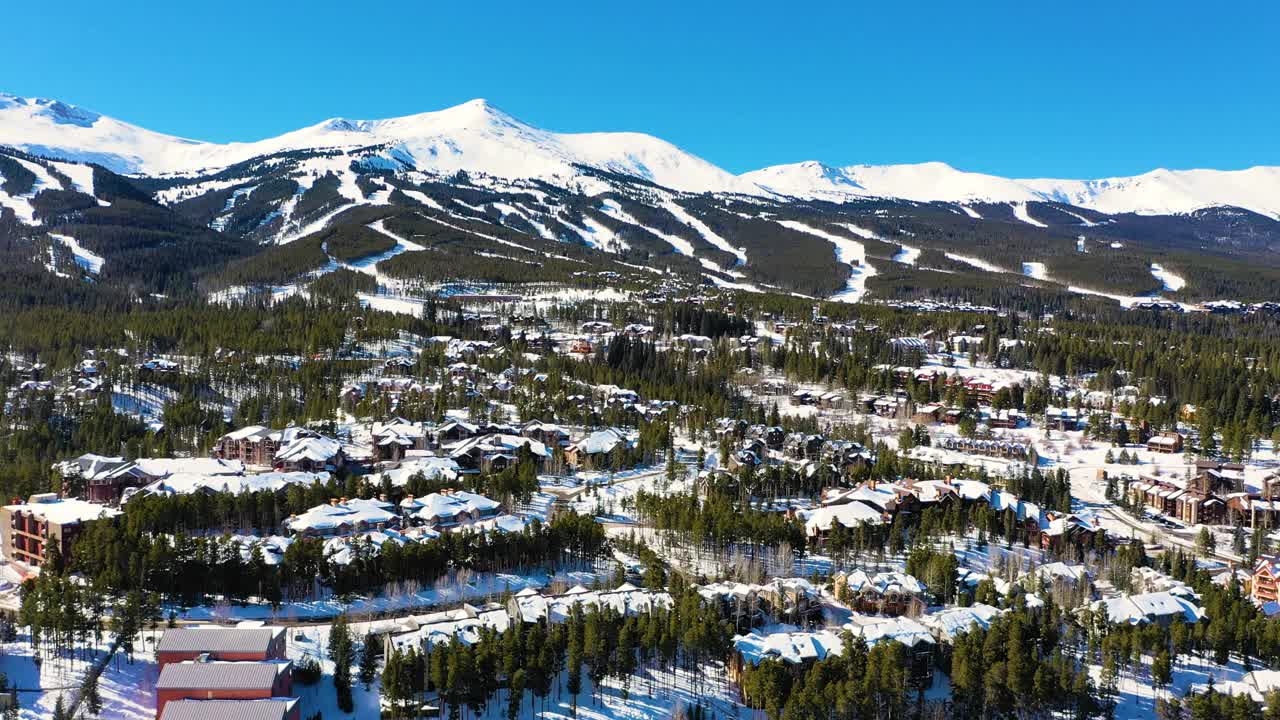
368 660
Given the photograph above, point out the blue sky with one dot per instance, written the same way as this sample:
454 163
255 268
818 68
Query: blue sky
1083 89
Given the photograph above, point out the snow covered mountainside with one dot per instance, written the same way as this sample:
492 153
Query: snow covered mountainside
1159 192
477 137
474 136
470 193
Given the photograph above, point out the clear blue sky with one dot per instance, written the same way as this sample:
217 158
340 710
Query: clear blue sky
1079 89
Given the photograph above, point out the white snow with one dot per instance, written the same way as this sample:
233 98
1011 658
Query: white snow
91 263
980 264
1035 270
1020 212
701 228
479 138
970 212
1171 282
615 211
1157 192
907 255
848 251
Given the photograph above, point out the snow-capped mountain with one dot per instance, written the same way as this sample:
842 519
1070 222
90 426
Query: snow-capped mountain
475 137
1159 192
479 138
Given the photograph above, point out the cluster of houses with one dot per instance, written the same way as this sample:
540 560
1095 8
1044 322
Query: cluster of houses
877 503
1216 493
992 448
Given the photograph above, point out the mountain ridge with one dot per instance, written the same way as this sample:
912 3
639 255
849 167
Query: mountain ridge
476 136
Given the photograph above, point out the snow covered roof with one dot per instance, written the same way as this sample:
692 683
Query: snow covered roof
440 506
790 647
883 583
1061 571
466 629
1149 607
432 468
160 467
188 483
953 621
62 511
849 515
315 449
603 441
627 599
875 629
348 514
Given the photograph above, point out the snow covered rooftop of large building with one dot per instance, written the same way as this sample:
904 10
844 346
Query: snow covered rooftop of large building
63 511
626 599
849 515
353 512
954 621
443 506
790 647
1149 607
188 483
874 629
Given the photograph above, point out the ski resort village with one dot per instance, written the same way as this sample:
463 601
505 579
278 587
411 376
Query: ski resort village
688 502
450 416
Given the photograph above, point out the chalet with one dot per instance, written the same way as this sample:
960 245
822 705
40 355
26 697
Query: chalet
393 440
1064 419
106 477
1006 419
927 414
1160 608
1165 442
548 434
1265 583
344 517
530 606
744 459
783 600
310 452
819 522
455 430
803 447
492 453
597 448
450 509
886 593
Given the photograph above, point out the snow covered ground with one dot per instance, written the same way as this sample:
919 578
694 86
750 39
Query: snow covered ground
849 252
91 263
907 255
1170 281
980 264
1035 270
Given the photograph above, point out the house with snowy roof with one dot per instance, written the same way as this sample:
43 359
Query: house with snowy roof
1161 608
886 593
215 680
449 509
596 449
530 606
344 517
819 522
492 453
